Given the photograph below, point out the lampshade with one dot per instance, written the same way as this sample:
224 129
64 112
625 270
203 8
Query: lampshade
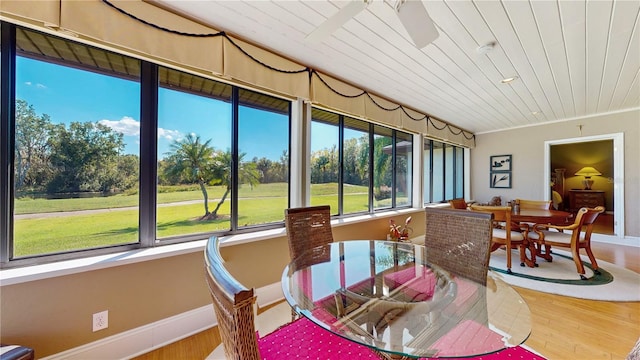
588 172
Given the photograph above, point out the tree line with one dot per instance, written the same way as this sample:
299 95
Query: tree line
89 157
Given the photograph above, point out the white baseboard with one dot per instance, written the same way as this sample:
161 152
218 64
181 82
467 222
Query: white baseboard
612 239
143 339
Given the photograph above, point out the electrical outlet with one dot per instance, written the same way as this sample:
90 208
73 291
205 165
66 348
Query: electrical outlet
100 320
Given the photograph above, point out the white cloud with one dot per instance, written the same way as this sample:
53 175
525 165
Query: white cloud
126 126
39 86
169 134
131 127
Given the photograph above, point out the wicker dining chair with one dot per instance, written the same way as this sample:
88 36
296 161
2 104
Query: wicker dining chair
508 234
233 304
580 237
307 228
459 241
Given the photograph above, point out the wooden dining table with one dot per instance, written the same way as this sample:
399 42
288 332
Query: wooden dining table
541 216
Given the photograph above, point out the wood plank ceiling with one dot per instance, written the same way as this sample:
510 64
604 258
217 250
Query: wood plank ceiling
573 58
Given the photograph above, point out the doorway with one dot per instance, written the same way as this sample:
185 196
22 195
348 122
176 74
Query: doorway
613 182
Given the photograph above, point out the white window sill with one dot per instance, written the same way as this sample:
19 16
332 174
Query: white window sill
68 267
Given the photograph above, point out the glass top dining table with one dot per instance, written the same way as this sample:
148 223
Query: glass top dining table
388 296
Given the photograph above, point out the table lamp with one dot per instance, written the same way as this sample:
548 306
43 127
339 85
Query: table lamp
587 172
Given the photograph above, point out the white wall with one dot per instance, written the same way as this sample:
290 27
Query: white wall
527 145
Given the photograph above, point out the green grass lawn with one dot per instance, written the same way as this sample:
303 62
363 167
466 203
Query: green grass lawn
262 204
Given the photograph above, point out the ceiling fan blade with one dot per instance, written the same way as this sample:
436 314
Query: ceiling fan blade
337 20
416 20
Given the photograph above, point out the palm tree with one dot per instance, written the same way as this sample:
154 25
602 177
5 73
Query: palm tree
192 161
248 174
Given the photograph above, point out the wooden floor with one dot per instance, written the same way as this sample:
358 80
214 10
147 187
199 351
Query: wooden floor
604 224
562 327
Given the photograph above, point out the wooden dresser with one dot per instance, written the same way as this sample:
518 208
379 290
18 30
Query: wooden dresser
585 198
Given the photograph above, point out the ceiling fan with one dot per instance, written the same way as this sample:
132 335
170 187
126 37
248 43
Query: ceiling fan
412 15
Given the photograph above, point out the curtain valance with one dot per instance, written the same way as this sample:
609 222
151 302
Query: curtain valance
44 13
140 27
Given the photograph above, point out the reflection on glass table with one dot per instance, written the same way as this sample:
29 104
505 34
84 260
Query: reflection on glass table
388 296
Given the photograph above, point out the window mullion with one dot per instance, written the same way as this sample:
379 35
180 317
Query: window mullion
371 168
148 152
7 128
341 166
235 103
394 184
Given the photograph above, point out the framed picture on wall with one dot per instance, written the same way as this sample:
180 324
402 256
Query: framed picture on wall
500 180
500 163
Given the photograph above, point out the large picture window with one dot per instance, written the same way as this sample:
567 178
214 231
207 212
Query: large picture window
86 121
443 172
103 152
403 169
355 166
340 175
382 167
263 158
194 154
76 152
325 159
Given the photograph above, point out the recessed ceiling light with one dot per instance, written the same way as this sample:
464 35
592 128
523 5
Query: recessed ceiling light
482 50
509 79
536 112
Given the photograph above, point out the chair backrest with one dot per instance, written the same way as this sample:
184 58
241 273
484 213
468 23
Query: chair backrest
458 203
534 204
501 217
307 228
500 213
459 241
234 307
585 218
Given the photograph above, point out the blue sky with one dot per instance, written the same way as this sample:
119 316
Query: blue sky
67 95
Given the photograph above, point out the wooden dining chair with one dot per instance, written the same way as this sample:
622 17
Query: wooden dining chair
507 234
534 204
307 228
233 304
458 203
459 241
579 237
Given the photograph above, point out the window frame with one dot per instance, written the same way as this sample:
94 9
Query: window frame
147 187
371 164
148 160
457 181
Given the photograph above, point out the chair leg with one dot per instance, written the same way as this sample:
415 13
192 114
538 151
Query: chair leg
594 263
546 253
523 254
575 253
532 248
508 247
